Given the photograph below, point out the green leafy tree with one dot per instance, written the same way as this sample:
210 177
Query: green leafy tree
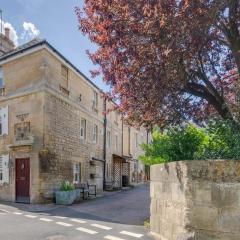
182 143
224 140
218 140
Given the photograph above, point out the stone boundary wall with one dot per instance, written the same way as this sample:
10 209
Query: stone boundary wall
196 200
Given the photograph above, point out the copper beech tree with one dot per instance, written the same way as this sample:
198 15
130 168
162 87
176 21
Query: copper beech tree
167 60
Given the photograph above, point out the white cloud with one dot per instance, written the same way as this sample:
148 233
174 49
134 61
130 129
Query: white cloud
13 33
30 31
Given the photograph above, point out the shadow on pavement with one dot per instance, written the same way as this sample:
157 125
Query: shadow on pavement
129 207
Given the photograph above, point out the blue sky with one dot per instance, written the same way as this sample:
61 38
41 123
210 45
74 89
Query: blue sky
56 22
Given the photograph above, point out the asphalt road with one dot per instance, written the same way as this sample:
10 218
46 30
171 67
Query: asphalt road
117 216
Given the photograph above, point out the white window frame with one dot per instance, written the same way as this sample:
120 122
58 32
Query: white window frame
77 173
95 133
83 129
4 121
4 169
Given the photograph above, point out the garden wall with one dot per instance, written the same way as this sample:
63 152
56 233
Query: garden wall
196 200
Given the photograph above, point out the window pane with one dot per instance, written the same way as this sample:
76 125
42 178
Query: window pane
83 128
1 78
95 99
76 172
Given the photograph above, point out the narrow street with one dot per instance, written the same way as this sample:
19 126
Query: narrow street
117 216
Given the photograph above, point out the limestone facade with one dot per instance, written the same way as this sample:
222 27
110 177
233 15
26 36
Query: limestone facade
56 120
196 200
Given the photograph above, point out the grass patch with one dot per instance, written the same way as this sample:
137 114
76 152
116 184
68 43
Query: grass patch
147 223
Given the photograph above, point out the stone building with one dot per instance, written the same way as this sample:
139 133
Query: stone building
52 127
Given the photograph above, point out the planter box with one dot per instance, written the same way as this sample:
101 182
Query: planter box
66 197
196 200
78 195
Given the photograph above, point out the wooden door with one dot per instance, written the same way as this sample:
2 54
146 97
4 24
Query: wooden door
22 180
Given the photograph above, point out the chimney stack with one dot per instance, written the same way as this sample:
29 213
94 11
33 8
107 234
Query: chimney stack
6 44
7 32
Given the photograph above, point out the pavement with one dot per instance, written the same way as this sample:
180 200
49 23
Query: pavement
115 216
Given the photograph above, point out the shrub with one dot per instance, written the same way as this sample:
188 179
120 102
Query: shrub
66 186
224 140
181 143
218 140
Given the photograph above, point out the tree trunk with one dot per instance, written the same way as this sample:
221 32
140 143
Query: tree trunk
219 104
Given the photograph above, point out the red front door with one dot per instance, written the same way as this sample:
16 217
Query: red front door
22 180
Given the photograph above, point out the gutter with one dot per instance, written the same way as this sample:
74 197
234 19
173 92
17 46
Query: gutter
104 142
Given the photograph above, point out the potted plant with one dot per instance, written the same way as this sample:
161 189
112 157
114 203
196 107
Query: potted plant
66 194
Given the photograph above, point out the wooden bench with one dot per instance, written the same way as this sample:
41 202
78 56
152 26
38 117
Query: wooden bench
90 190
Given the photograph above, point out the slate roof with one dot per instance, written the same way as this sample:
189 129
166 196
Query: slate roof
33 43
38 42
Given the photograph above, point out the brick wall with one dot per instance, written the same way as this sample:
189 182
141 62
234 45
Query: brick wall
196 200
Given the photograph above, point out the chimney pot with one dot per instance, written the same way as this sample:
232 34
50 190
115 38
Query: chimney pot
7 32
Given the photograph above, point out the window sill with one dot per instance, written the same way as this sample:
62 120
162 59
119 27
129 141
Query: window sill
64 90
27 142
